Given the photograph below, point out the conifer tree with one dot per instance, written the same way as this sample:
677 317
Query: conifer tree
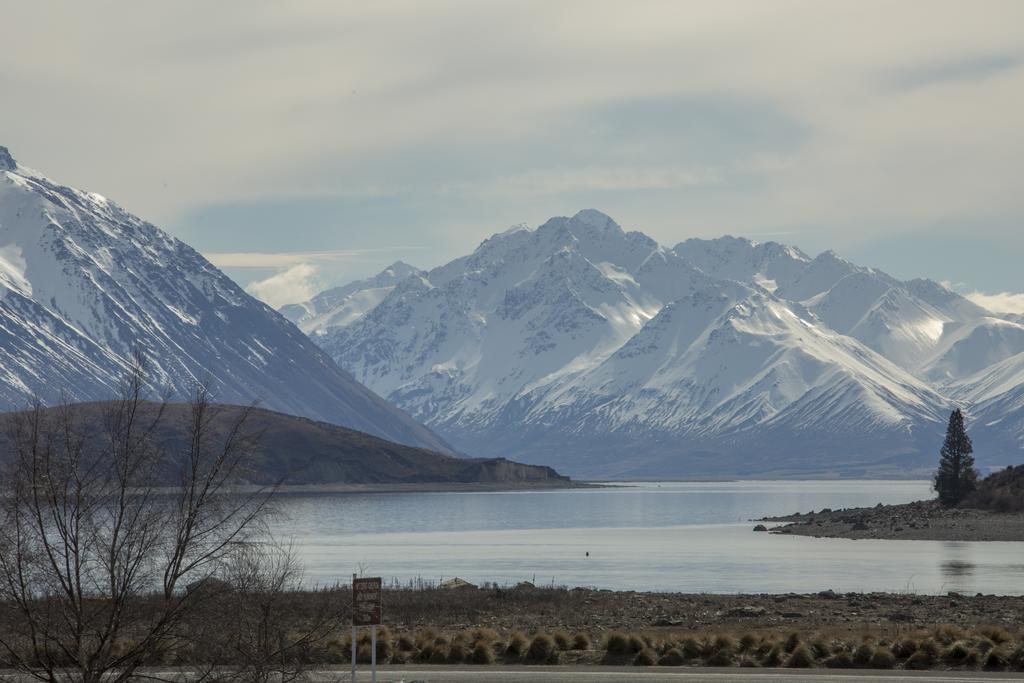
956 475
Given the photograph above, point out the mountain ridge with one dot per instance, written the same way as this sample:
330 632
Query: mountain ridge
84 285
589 347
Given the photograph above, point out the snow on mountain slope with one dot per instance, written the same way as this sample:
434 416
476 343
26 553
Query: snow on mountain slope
769 265
969 348
83 284
716 368
342 306
995 397
524 310
598 350
991 382
910 323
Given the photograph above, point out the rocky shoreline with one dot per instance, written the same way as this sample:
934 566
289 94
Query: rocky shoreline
920 521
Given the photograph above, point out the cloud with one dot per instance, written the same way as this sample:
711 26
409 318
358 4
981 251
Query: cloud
883 123
600 179
250 259
298 283
1003 302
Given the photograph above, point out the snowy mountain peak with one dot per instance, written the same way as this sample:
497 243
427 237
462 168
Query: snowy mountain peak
599 221
7 162
400 269
580 344
518 227
84 285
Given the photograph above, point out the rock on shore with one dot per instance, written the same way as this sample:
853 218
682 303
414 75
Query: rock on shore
923 520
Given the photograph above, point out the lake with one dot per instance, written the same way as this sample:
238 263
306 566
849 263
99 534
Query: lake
668 536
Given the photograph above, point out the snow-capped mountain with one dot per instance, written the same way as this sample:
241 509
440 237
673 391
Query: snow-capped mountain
83 284
342 306
605 354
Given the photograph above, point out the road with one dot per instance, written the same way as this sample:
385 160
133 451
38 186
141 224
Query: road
604 674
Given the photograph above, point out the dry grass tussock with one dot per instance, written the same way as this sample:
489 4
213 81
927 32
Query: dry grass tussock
944 647
989 648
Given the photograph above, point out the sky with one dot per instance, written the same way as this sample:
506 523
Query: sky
304 144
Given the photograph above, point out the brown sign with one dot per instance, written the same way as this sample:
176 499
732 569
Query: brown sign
366 603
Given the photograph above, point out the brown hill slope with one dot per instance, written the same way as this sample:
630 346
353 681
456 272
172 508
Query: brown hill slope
306 452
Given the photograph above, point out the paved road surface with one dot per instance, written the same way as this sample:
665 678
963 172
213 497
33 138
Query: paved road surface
604 674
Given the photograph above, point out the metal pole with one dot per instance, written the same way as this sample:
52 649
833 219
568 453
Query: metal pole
353 628
373 654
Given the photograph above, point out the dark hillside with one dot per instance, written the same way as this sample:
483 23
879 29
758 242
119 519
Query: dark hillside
303 451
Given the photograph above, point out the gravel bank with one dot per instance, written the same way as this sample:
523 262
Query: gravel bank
920 521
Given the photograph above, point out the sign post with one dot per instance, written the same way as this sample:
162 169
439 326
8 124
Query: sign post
366 611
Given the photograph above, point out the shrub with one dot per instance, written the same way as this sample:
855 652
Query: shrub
947 634
646 657
719 658
581 641
774 656
724 643
792 643
820 648
748 641
920 660
983 645
617 643
800 658
406 643
517 644
691 648
957 652
637 644
483 653
1016 660
905 648
439 655
840 660
882 658
863 654
562 640
672 658
995 661
748 662
930 648
458 653
542 648
997 634
487 635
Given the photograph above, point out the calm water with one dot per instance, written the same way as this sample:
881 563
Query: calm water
691 537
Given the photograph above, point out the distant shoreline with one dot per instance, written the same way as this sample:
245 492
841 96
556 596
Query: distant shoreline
919 521
434 487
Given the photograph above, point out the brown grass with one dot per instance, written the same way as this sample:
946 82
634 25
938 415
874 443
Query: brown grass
800 658
542 649
581 641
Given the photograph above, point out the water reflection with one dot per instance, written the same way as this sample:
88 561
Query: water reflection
955 569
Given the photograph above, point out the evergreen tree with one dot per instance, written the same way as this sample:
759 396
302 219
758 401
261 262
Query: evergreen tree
956 475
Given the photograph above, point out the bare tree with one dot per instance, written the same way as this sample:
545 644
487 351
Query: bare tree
251 617
102 525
